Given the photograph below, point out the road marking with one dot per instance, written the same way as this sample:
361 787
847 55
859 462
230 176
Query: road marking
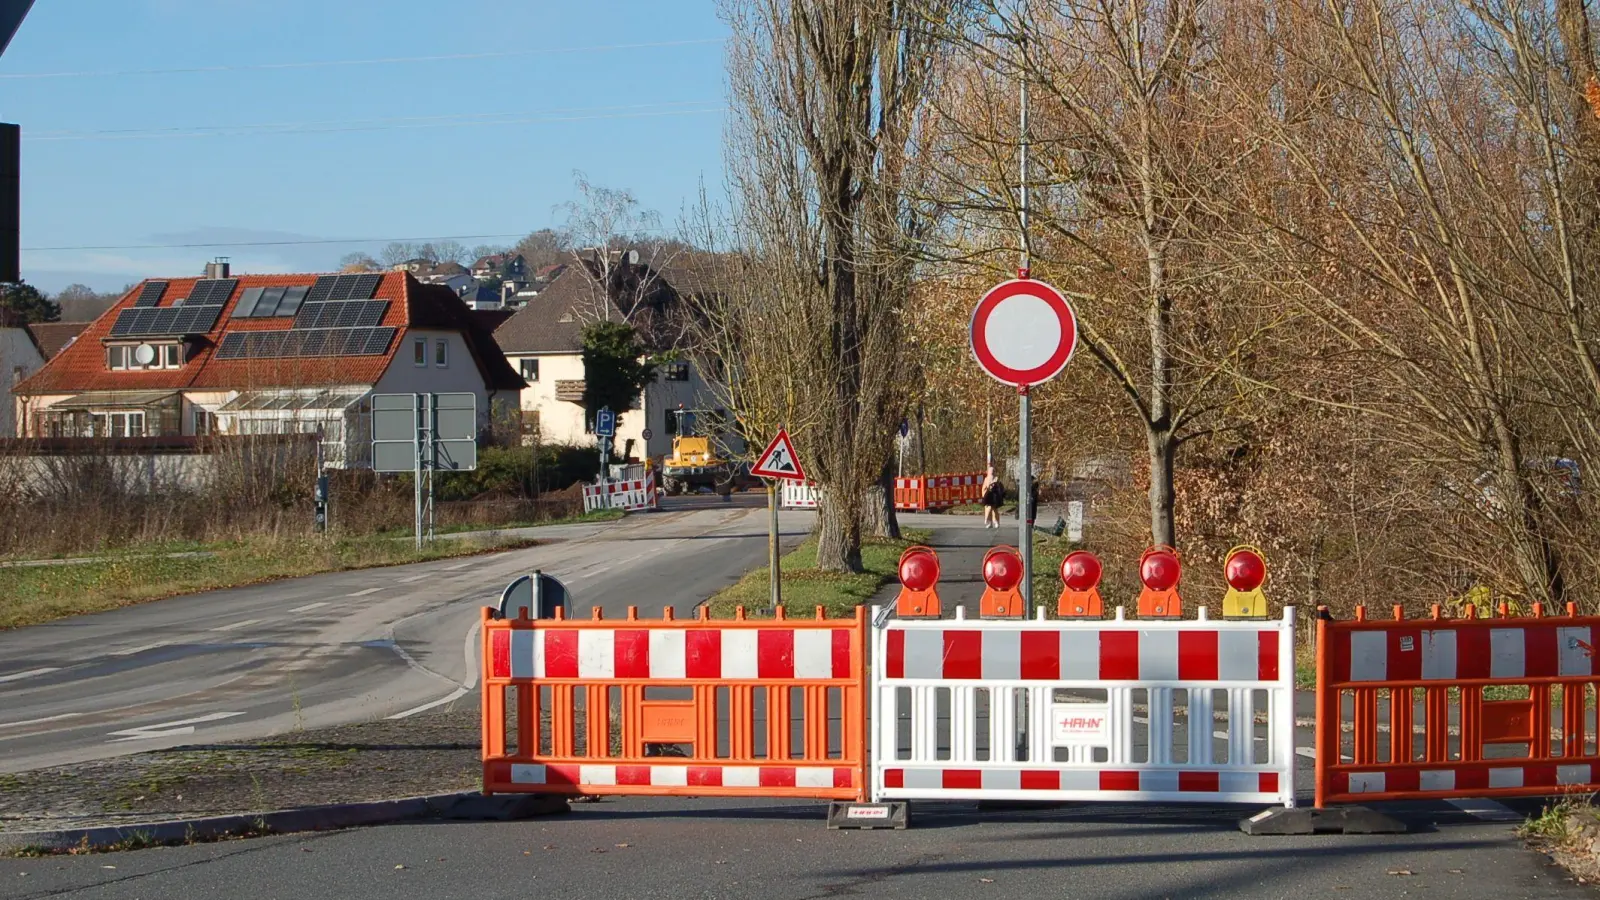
40 721
365 592
459 566
31 673
1307 752
141 648
1485 810
245 623
308 607
416 578
167 729
457 694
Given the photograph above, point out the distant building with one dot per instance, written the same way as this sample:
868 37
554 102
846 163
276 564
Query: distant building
264 354
20 357
53 337
508 266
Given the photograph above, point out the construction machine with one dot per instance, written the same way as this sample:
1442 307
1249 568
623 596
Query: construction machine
695 462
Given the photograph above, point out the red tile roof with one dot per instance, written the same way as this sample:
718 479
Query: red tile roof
53 336
82 365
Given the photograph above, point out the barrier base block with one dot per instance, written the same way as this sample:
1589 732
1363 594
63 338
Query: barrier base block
892 814
1310 820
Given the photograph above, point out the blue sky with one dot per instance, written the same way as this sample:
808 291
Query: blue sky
296 138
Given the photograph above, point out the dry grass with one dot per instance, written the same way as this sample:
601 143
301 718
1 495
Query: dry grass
806 587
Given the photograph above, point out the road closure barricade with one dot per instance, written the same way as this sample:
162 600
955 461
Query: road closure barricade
1115 710
799 495
634 494
1442 708
768 708
917 493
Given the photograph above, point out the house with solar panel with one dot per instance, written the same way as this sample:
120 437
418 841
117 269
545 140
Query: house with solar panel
265 354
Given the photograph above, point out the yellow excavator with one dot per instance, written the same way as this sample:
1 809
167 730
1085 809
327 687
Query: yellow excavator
695 462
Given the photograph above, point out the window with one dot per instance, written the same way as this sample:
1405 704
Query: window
117 424
419 352
122 356
441 353
171 358
204 422
677 372
530 370
672 422
117 357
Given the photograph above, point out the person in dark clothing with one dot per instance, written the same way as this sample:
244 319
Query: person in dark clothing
994 495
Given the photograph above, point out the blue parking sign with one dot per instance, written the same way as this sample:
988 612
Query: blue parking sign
605 423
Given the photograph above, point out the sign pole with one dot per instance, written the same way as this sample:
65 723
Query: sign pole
418 443
1024 463
774 575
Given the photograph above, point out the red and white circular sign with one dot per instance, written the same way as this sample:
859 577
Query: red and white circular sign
1023 332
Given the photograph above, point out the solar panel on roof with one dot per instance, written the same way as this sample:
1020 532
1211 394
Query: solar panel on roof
209 291
150 294
290 304
232 346
246 306
314 343
290 343
267 305
377 341
322 288
372 312
365 286
349 314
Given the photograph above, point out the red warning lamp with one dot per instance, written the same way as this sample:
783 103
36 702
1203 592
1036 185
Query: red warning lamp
1002 573
1080 579
1160 571
1245 570
919 581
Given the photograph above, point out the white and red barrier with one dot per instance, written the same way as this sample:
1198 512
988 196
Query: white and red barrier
632 495
799 495
1083 710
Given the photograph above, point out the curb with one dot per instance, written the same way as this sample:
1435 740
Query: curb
464 806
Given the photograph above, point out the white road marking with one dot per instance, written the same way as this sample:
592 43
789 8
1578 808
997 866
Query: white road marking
141 648
416 578
1307 752
469 649
31 673
1485 810
459 566
40 721
308 607
365 592
457 694
245 623
167 729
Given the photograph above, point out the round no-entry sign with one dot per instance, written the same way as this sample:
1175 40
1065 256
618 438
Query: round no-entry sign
1023 332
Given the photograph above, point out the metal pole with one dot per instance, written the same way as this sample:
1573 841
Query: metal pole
433 456
774 575
1024 461
418 443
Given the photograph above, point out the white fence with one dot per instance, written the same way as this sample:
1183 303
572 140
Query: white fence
633 495
1111 710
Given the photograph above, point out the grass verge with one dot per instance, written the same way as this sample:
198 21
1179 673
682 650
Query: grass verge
35 594
805 586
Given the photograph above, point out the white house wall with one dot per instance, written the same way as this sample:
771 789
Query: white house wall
559 422
19 358
459 375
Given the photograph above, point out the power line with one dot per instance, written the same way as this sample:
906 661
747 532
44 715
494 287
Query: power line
391 60
301 243
638 111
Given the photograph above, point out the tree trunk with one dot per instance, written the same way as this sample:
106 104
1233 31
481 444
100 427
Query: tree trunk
1163 452
879 517
838 534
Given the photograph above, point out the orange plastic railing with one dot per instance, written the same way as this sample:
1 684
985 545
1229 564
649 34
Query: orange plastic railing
1468 741
742 707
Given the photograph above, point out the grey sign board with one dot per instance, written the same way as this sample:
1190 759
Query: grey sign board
400 421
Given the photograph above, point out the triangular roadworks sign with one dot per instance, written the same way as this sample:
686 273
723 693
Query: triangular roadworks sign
779 460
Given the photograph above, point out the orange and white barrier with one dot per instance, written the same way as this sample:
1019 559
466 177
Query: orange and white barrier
632 495
918 493
1371 675
580 721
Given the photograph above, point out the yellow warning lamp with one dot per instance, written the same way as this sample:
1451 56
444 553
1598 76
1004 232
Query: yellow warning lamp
1245 570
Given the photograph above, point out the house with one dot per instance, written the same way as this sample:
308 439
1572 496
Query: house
544 341
265 354
20 356
53 337
508 266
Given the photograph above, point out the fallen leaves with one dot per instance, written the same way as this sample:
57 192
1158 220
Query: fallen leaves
1401 872
986 880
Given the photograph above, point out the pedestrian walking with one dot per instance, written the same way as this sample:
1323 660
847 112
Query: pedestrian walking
994 495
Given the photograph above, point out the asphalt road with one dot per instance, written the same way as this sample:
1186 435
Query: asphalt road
685 849
332 649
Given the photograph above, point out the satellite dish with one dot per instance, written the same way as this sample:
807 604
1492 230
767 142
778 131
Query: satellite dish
144 354
633 257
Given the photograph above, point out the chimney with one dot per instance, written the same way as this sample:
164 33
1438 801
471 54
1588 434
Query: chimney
218 268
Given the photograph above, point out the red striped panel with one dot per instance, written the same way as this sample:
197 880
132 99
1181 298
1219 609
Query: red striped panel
1041 781
500 653
1472 779
1119 657
1339 654
1197 656
1538 776
562 774
1339 782
841 652
963 654
894 778
1542 652
895 666
1200 782
1405 665
702 651
1402 780
631 650
560 654
705 776
1267 655
844 777
1119 781
1041 655
633 774
1472 653
1269 783
775 653
963 780
777 776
